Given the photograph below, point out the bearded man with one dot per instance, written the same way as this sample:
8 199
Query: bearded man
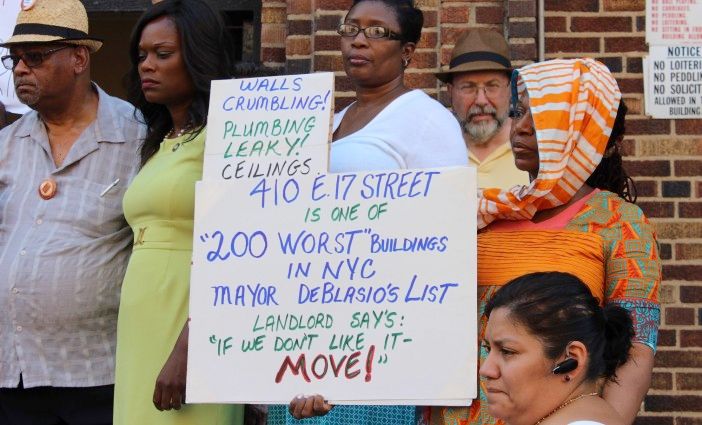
478 83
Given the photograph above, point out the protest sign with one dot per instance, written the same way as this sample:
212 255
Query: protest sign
359 286
673 82
8 15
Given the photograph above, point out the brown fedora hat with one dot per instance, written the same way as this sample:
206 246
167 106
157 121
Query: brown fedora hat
50 21
478 49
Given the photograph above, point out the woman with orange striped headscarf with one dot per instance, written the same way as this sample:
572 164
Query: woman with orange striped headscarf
577 215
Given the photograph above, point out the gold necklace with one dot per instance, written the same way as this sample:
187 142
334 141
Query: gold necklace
574 399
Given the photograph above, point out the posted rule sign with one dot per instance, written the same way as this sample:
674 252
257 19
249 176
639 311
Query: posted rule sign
673 80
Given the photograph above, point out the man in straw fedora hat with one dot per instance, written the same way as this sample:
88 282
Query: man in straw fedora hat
64 241
478 86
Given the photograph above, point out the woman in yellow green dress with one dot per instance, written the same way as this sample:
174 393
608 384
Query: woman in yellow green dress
176 49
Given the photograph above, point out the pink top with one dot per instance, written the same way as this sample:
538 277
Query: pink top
556 222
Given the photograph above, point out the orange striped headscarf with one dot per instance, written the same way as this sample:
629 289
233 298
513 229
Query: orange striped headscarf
573 104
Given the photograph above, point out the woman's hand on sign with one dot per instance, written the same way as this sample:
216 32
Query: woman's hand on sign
169 392
302 407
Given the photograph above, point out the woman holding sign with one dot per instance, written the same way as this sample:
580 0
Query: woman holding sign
576 216
388 127
176 50
548 343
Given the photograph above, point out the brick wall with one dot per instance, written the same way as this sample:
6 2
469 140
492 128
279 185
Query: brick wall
663 156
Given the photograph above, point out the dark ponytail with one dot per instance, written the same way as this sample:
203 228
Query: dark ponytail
558 308
610 174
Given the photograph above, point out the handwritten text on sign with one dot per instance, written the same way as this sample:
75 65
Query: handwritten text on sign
358 287
268 127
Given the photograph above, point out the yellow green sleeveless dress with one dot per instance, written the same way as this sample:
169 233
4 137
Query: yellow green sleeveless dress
159 207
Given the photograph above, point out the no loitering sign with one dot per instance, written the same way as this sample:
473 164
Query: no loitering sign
673 82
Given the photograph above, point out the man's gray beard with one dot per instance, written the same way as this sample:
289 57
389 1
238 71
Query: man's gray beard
483 131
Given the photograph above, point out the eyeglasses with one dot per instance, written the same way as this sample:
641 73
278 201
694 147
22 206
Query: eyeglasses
373 32
491 90
31 59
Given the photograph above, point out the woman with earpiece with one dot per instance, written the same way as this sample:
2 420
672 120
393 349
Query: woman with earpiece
577 216
549 343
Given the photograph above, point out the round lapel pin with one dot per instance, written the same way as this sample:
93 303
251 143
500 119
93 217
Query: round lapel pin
47 189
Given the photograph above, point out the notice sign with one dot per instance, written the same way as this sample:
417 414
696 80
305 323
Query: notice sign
357 286
671 22
673 82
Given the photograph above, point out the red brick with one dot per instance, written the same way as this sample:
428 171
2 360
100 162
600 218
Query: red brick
489 15
689 421
646 188
678 315
599 24
456 14
657 209
691 294
521 9
270 15
327 42
428 40
688 251
669 403
688 167
678 358
627 147
691 339
420 81
328 63
647 126
328 22
299 7
688 127
630 85
572 5
298 66
343 84
574 45
555 23
625 44
450 35
690 209
298 46
682 272
522 29
424 60
523 51
662 381
617 5
334 4
431 19
666 338
647 168
273 54
299 27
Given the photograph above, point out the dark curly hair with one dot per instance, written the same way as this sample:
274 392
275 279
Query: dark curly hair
207 56
610 173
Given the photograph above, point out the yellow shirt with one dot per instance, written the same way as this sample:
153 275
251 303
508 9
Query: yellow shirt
498 169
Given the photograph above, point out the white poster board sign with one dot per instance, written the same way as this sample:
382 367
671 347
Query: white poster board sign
8 16
673 22
357 286
673 82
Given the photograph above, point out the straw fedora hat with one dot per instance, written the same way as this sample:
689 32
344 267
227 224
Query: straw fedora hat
478 49
48 21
